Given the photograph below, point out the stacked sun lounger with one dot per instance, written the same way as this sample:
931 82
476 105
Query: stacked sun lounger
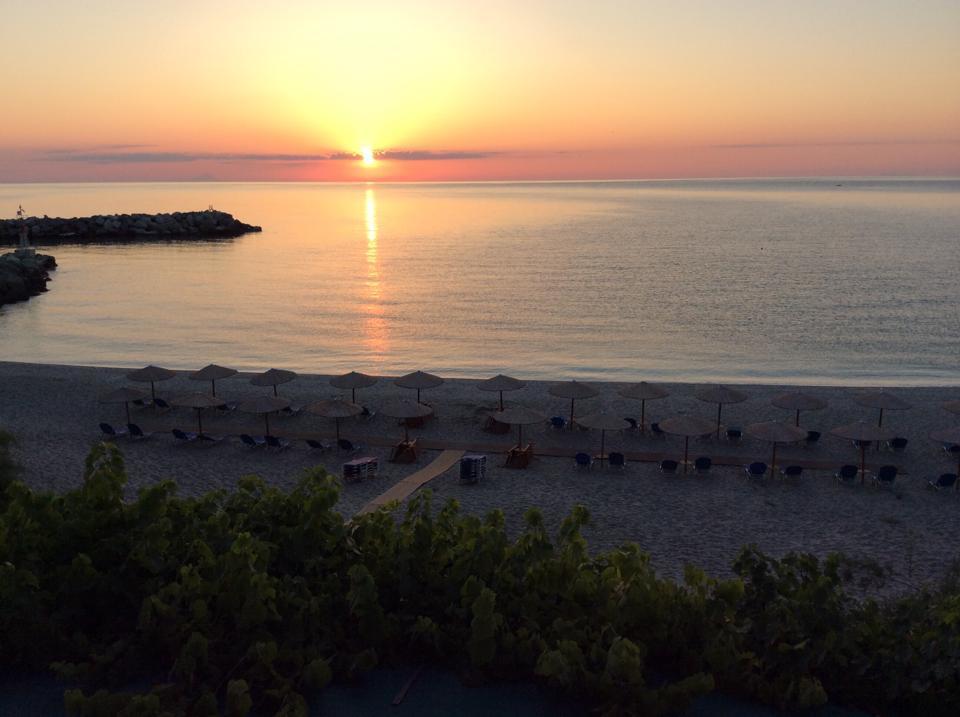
473 468
360 468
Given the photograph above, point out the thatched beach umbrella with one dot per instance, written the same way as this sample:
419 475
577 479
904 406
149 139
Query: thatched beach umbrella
952 436
501 383
883 400
198 401
720 395
572 390
353 381
798 401
418 380
273 377
151 374
518 416
863 433
775 432
686 426
124 395
644 392
603 422
403 409
264 405
213 373
335 408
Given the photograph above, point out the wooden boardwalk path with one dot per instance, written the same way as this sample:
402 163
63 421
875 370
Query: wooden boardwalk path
405 488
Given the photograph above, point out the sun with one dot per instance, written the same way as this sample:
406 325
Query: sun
366 153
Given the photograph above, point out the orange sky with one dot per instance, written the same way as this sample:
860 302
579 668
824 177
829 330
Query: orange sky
464 90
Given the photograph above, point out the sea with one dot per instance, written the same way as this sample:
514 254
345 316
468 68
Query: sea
802 281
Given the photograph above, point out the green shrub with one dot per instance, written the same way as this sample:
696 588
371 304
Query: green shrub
248 602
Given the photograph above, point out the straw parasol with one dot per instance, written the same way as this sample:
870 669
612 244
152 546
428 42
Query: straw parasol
501 383
644 392
775 432
264 405
949 435
403 409
518 416
335 408
198 401
883 400
863 433
798 401
572 390
273 377
124 395
151 374
353 381
952 406
418 380
686 426
720 395
603 422
213 373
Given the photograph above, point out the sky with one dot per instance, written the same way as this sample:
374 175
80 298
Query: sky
444 90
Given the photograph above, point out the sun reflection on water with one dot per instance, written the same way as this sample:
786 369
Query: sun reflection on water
375 335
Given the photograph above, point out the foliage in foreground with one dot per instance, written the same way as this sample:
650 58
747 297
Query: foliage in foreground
250 601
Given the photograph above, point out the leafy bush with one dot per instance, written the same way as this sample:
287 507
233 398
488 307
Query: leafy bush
252 600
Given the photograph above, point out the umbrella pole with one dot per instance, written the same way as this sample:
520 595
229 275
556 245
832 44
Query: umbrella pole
863 462
199 421
520 436
153 391
773 461
798 418
880 422
213 387
127 406
643 416
353 395
603 434
719 409
686 450
274 389
571 413
337 420
406 431
418 395
501 400
266 420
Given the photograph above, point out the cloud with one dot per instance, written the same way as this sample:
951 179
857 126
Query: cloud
123 154
836 143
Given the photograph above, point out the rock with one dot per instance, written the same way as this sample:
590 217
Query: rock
24 275
209 224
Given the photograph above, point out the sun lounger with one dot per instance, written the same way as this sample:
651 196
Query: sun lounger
617 460
813 437
583 460
734 435
136 432
668 466
757 469
847 474
347 446
251 442
290 411
634 425
519 457
316 445
897 445
111 432
885 476
276 443
184 436
657 431
702 464
791 471
558 422
943 481
951 449
861 444
367 414
209 439
160 404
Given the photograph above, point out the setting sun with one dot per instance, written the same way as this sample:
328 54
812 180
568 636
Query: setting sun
367 154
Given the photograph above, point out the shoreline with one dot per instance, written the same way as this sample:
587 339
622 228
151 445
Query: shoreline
53 410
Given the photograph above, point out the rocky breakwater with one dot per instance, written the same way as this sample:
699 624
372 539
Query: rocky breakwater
24 274
209 224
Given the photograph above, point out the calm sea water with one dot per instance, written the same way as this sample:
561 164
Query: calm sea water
766 281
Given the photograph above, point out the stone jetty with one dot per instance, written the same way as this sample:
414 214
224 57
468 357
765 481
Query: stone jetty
208 224
24 274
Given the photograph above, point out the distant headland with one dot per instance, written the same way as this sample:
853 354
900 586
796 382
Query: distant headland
207 224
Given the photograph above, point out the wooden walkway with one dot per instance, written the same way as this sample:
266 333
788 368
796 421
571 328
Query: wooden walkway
406 487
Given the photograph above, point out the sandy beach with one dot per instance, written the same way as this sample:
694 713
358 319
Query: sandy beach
53 411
